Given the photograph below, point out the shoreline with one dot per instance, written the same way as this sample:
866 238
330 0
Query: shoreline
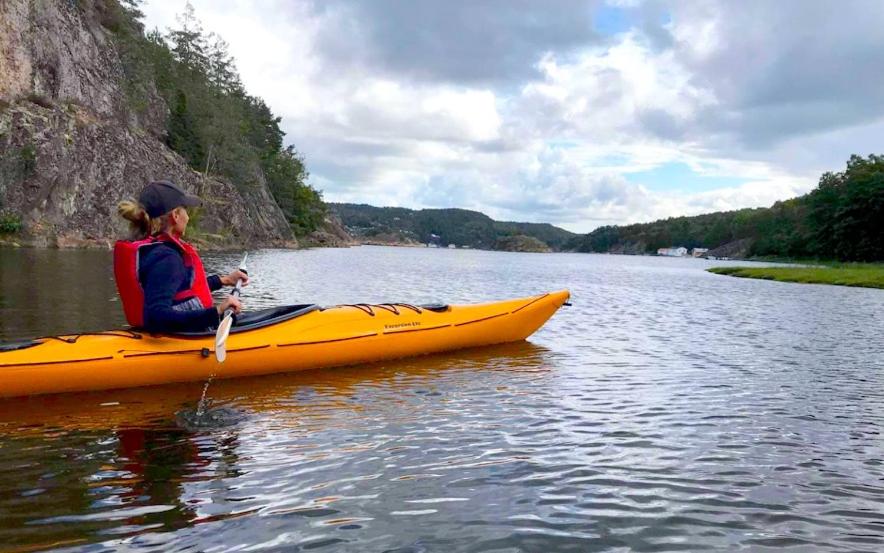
303 243
70 243
205 243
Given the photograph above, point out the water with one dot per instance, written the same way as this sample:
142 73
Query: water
668 409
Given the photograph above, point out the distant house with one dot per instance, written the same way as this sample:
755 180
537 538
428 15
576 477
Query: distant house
699 252
452 246
673 252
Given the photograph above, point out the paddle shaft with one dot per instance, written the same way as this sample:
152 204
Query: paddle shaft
235 293
227 319
238 288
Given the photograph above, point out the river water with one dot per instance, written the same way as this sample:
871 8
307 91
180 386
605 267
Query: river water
668 409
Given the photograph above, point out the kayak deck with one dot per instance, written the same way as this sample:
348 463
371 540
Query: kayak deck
302 337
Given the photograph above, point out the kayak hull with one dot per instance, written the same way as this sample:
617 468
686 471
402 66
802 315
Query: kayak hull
336 336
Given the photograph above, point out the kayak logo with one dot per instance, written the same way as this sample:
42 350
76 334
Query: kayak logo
401 325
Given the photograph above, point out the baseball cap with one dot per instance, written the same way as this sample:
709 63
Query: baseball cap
162 196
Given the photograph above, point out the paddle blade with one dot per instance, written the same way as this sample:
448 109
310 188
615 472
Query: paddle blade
221 338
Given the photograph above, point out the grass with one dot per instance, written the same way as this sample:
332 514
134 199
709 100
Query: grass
9 223
866 275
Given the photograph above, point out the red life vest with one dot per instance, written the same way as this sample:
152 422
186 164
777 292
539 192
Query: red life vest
126 264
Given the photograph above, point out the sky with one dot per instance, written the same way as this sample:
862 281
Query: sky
576 113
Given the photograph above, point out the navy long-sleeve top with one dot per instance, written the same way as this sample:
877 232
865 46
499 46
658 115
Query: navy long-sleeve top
162 275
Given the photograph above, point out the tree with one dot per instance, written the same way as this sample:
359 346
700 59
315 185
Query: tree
846 211
189 45
182 136
221 69
301 203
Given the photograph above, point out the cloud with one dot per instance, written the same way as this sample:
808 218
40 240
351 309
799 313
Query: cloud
457 41
782 69
546 112
620 94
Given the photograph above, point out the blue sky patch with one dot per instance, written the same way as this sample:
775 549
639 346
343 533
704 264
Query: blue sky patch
679 177
611 20
563 144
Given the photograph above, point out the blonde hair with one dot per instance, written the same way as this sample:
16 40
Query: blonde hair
140 223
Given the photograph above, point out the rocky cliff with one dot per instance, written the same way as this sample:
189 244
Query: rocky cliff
330 234
71 147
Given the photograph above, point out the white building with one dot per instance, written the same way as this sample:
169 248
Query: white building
699 252
673 252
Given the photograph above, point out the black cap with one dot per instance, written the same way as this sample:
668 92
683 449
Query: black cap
161 197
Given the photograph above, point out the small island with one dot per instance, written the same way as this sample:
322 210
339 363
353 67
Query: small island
521 243
856 274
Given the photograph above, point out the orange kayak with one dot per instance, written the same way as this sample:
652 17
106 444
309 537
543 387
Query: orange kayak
284 339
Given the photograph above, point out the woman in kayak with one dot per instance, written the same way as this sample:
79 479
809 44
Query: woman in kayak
160 277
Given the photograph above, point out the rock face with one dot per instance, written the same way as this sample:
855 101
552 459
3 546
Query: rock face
331 234
71 148
738 249
55 50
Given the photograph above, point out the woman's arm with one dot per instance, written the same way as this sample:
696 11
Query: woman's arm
216 282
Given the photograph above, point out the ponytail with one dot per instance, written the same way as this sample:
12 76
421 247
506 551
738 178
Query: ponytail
140 223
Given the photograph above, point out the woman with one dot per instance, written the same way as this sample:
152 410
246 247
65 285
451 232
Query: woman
160 277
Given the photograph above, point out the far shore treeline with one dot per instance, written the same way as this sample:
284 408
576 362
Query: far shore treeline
841 219
212 123
461 227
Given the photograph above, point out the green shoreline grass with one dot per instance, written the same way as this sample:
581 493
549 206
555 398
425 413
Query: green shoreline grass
865 275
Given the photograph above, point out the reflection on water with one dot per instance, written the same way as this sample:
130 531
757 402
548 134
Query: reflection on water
669 409
53 291
46 292
94 465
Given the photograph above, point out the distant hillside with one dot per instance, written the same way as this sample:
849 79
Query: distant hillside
842 219
443 226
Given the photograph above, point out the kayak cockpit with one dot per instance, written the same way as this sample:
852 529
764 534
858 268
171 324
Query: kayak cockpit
245 322
12 346
252 320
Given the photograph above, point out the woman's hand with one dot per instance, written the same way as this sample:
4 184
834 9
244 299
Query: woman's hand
230 280
230 301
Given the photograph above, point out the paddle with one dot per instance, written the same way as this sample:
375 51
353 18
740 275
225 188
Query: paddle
227 320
